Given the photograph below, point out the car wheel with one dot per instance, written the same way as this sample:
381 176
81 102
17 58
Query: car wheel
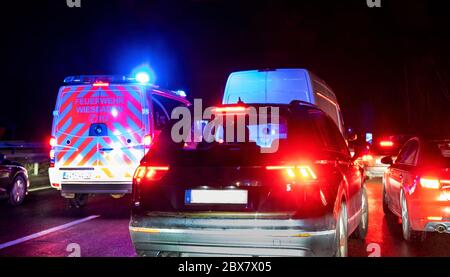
408 233
18 191
79 201
341 238
361 230
386 209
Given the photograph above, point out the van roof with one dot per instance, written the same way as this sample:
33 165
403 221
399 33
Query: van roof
299 80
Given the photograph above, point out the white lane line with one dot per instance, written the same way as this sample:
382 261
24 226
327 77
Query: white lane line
38 189
46 232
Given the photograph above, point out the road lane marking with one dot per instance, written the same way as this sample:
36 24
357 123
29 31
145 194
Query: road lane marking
38 189
46 232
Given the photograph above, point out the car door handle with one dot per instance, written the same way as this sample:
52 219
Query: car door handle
106 149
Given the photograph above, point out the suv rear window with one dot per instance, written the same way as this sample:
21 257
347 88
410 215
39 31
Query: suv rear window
297 134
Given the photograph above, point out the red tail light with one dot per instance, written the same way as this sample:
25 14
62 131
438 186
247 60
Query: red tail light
367 158
56 185
100 84
386 143
236 109
148 140
430 183
302 172
149 173
52 142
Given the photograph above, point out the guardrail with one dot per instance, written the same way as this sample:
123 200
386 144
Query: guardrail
31 154
16 145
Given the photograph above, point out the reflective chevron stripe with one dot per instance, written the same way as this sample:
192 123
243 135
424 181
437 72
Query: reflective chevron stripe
117 106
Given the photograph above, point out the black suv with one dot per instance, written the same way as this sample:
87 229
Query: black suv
234 198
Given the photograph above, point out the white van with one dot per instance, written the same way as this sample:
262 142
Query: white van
102 128
282 86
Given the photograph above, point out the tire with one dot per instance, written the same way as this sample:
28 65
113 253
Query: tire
79 201
386 209
341 238
408 233
18 191
361 230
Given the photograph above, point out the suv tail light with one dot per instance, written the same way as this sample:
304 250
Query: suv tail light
232 109
149 173
301 172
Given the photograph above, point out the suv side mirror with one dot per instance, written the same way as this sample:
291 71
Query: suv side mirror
351 135
387 160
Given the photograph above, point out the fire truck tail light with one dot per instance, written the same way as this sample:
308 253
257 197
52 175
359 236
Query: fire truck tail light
52 142
56 185
100 84
148 139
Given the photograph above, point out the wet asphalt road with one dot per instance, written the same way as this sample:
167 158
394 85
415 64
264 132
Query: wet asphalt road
107 235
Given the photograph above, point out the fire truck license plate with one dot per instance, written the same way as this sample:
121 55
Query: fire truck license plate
77 175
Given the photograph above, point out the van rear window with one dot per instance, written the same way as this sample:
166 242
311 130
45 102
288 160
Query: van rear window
280 86
296 134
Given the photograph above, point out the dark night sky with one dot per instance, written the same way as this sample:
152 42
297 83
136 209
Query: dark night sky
388 66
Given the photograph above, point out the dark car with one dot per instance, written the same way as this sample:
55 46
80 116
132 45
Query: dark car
417 187
232 198
13 181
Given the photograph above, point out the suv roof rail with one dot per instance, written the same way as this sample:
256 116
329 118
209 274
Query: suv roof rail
303 103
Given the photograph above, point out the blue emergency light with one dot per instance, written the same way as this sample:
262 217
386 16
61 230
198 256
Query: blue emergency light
91 79
143 78
181 93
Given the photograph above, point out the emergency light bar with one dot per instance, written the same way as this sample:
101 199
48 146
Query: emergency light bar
107 79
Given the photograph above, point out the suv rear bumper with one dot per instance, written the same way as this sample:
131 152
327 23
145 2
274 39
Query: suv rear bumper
178 236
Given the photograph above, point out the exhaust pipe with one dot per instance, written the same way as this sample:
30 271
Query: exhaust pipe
441 228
